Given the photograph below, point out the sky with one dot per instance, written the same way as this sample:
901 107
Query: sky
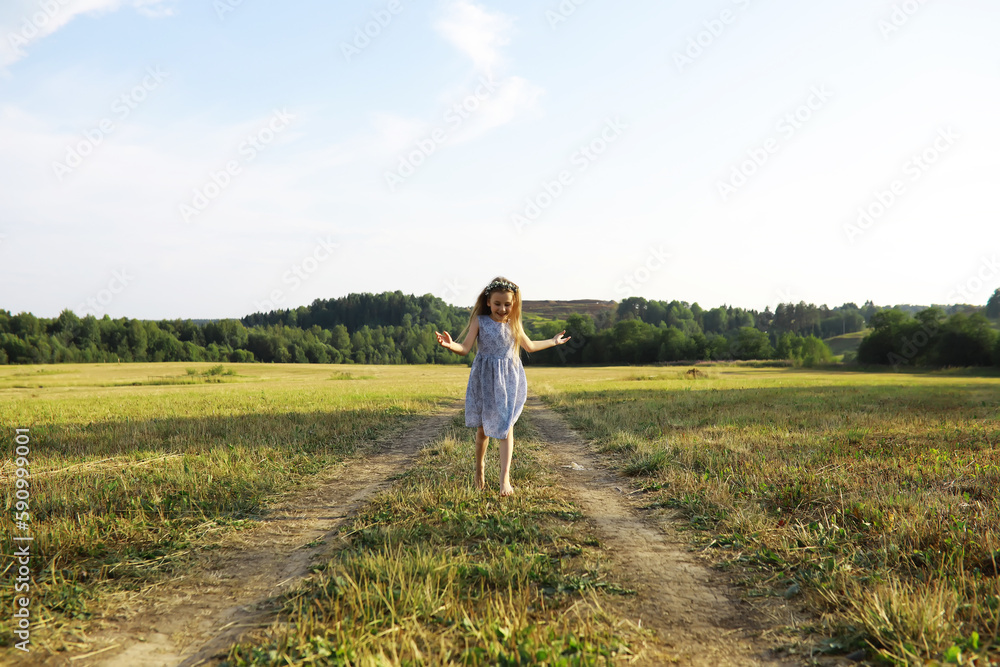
215 158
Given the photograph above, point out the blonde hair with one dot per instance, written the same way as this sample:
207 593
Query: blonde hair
482 307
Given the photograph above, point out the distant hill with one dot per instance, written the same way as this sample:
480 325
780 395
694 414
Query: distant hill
846 342
560 310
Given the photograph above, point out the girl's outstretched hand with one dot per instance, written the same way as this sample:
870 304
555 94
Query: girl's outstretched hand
559 338
444 339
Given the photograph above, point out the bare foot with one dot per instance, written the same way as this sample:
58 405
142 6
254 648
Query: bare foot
480 478
507 490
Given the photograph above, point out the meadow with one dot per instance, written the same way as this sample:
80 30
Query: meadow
867 499
434 572
135 466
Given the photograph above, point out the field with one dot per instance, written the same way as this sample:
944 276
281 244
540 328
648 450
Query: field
872 497
859 505
134 467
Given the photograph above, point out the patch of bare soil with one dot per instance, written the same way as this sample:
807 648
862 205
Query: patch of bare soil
194 619
698 619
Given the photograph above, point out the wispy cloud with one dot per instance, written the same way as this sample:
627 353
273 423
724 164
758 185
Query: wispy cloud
476 32
471 108
24 22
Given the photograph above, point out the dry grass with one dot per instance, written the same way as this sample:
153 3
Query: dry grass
434 572
128 481
870 497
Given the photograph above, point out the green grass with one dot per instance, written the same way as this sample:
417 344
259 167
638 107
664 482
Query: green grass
870 497
842 344
127 481
434 572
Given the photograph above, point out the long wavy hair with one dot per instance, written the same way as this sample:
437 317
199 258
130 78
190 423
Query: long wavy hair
482 307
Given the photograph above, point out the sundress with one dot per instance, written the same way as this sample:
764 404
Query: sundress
497 387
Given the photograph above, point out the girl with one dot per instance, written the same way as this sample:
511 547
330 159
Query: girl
497 384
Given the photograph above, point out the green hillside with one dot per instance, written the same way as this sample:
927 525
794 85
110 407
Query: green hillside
846 342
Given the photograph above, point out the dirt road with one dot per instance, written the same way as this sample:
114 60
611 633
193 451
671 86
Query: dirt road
193 619
698 621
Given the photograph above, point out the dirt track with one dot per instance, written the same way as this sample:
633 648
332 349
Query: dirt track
697 620
192 620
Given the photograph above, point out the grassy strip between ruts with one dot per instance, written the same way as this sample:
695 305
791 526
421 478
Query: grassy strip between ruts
870 498
128 483
434 572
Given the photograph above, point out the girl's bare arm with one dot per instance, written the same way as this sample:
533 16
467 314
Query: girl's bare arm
535 346
466 346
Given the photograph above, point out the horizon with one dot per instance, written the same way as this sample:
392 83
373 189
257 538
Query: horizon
735 153
860 304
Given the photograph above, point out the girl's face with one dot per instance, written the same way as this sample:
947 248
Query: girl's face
500 304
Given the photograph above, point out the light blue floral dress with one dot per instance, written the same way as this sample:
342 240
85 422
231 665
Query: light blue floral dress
497 387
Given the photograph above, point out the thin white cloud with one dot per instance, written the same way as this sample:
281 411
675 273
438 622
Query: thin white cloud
24 22
498 100
476 32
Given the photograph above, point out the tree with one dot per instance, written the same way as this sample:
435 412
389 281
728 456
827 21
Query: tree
24 325
966 341
814 351
716 347
674 345
633 342
789 346
716 320
65 327
137 339
993 305
341 339
884 343
750 343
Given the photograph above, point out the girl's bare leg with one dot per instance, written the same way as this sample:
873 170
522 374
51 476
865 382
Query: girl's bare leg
481 442
506 453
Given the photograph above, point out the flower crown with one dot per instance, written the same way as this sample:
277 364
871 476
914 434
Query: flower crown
504 285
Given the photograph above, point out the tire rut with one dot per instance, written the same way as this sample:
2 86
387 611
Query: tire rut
697 618
194 619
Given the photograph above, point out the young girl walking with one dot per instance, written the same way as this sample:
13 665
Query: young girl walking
497 387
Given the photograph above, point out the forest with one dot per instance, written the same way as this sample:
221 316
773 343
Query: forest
395 328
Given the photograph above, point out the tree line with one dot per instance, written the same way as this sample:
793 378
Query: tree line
930 338
394 328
